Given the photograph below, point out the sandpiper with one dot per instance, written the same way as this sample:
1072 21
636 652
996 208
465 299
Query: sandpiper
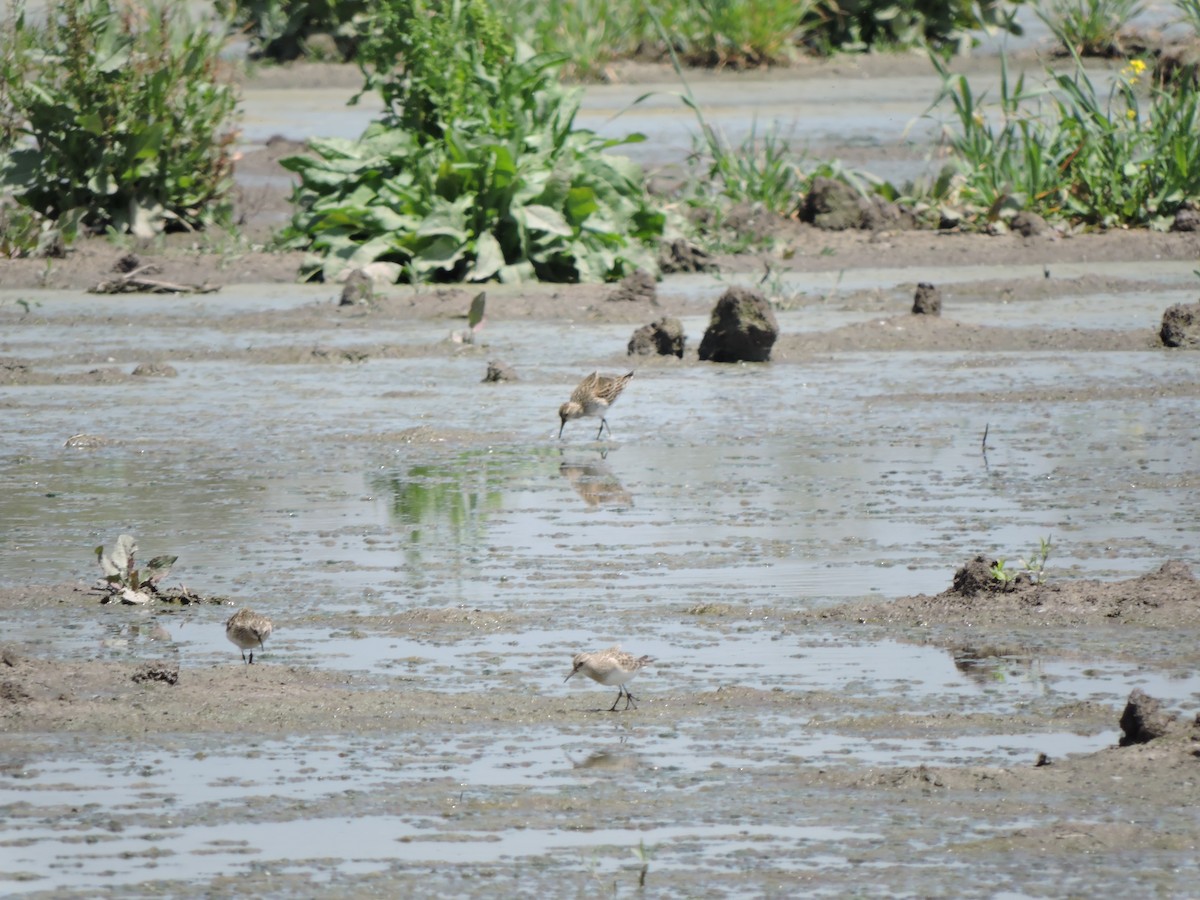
611 666
248 629
593 397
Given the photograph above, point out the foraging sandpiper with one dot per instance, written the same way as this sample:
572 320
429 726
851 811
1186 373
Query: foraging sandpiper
610 666
593 397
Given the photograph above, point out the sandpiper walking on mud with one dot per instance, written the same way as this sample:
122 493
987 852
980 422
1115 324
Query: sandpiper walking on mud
248 629
611 666
594 395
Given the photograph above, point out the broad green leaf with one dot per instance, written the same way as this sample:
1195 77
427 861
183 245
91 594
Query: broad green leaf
489 259
542 218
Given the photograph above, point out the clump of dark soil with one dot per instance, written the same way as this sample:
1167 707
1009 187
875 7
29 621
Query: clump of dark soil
1144 719
1168 596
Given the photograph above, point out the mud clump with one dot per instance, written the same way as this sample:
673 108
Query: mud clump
742 328
681 255
664 337
1187 217
927 301
1028 224
151 672
498 371
835 206
637 287
1181 326
155 370
973 577
1144 719
359 289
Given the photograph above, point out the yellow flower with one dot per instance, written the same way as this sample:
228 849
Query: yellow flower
1132 70
1131 114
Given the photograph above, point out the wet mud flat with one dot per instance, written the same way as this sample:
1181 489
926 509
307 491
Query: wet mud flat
825 714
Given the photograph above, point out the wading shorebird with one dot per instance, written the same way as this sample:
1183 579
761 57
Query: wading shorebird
247 629
610 666
593 397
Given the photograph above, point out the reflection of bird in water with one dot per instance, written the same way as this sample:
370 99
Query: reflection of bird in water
123 635
596 484
248 629
610 666
594 395
987 666
607 761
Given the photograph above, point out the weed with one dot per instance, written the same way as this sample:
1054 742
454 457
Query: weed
122 576
1089 27
1068 152
644 854
115 115
476 170
1033 568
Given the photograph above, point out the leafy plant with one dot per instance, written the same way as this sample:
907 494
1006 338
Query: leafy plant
476 170
587 34
122 576
1032 568
743 33
944 26
1125 159
282 30
1089 27
115 116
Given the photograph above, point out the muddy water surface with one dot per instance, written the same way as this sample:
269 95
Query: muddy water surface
341 472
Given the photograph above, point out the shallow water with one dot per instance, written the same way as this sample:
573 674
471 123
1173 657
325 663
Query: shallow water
785 486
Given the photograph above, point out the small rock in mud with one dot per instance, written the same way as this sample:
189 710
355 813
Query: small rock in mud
1186 220
638 286
1187 217
927 301
664 337
155 370
1144 719
11 656
1028 224
1181 325
742 328
127 263
167 674
498 371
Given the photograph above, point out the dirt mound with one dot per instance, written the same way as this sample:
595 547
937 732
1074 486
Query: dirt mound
1170 595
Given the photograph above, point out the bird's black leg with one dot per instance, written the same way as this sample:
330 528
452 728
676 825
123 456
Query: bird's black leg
243 656
613 708
251 657
603 425
629 699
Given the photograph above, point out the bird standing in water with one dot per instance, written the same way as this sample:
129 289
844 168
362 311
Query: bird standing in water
593 397
247 630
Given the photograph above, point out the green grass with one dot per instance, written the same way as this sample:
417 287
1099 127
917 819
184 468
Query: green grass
1089 27
1070 151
